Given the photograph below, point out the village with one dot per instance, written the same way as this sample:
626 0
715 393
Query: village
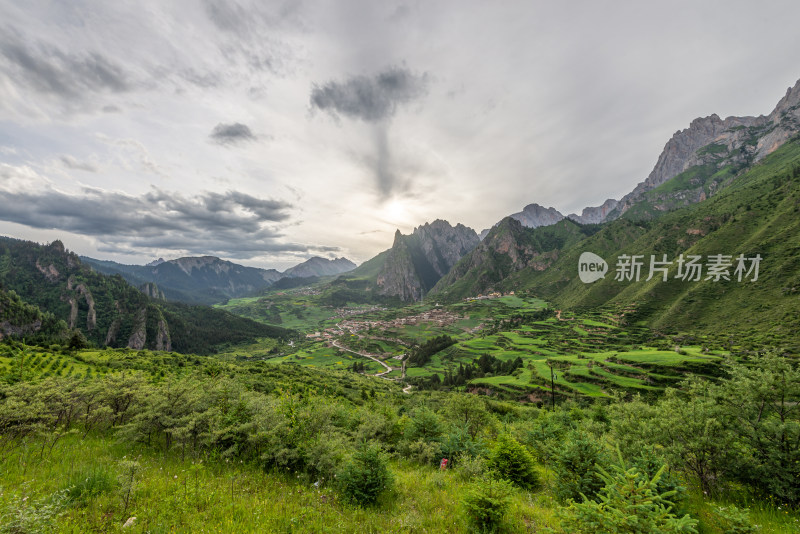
435 317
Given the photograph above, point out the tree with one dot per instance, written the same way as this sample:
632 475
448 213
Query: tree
628 503
512 461
760 398
77 340
696 433
366 476
467 410
577 468
486 503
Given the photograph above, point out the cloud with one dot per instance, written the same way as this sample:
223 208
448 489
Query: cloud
228 134
369 99
229 224
74 164
46 69
374 100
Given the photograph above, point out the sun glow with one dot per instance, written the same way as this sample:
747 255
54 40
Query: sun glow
395 211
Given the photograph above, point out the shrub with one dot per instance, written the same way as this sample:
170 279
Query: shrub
365 476
486 503
575 468
425 424
648 462
423 452
459 443
737 520
513 462
628 503
471 467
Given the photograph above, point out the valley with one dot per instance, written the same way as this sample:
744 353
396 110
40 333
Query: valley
458 381
593 354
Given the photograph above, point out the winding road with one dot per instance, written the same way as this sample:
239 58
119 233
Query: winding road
388 370
365 355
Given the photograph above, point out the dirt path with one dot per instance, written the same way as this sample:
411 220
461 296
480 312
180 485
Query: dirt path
406 390
365 355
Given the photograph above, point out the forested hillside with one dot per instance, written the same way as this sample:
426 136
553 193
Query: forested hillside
108 310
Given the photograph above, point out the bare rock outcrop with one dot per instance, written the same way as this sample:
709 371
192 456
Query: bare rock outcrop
416 262
139 336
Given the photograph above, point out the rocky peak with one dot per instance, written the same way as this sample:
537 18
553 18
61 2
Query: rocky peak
739 140
594 215
416 262
443 245
787 104
534 216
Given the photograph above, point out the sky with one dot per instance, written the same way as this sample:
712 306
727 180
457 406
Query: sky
268 132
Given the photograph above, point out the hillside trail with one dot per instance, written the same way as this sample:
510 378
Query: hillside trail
382 374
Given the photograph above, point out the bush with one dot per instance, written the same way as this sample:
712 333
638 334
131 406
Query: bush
486 503
471 467
737 520
459 443
366 476
423 452
648 462
628 503
513 462
576 468
425 424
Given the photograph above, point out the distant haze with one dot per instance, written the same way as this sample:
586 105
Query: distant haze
269 132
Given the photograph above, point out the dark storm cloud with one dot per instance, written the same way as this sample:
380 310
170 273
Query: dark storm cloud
369 99
44 68
227 134
233 224
374 100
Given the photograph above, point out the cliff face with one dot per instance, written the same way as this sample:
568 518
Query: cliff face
108 310
399 277
507 249
595 215
416 262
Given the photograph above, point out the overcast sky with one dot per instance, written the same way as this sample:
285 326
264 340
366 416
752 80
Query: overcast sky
268 132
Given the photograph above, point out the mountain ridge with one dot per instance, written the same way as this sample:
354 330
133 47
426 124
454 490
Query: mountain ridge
111 312
209 279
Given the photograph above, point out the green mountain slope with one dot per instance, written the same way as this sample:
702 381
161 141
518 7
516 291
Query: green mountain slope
202 280
111 312
758 213
507 249
20 319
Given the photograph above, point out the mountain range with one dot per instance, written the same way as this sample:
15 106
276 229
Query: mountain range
704 158
211 280
726 187
721 188
416 262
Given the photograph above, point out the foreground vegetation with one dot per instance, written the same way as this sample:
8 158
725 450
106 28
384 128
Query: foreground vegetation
195 443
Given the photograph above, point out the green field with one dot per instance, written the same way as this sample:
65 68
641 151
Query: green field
591 353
